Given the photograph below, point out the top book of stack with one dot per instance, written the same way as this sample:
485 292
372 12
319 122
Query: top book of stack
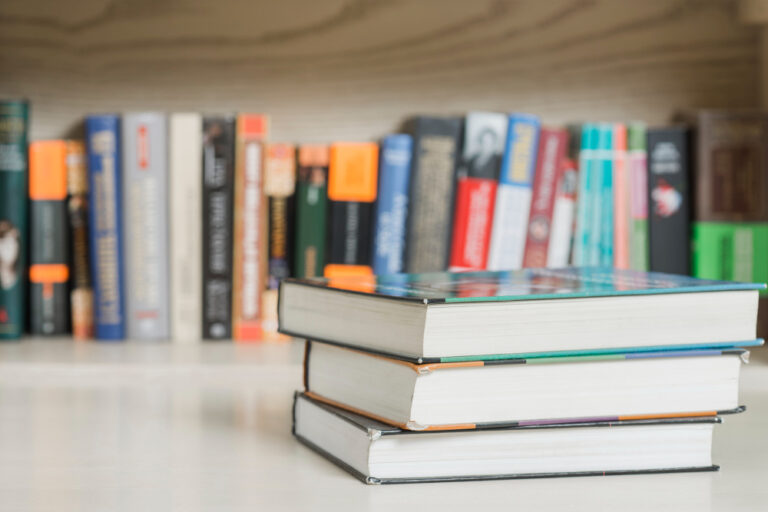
445 317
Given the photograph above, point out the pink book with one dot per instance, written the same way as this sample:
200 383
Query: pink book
620 198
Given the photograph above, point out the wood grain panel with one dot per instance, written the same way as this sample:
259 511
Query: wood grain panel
353 69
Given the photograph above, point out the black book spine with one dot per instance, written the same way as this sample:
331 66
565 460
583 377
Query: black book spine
436 146
218 190
349 240
669 199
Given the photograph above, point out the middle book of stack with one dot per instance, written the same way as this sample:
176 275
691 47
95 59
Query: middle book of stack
487 375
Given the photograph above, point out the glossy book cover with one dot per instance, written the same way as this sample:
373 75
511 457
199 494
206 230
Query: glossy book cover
523 284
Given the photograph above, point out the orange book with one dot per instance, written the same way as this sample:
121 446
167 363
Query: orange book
48 240
352 187
250 214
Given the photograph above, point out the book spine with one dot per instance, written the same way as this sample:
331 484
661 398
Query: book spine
311 210
602 244
476 188
668 187
352 190
145 225
249 252
549 168
621 202
513 198
279 187
218 177
563 216
584 212
103 142
186 249
475 199
638 180
731 251
14 119
81 289
431 197
48 269
392 204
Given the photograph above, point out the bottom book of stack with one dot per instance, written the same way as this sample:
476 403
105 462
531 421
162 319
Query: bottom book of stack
377 453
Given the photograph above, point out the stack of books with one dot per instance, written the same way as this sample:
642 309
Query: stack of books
512 374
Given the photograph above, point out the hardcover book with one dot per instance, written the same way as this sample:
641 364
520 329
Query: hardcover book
145 218
483 394
279 187
80 285
104 162
669 228
730 232
583 242
549 169
621 199
48 243
377 453
311 210
434 316
564 216
436 146
602 220
352 184
250 229
14 118
392 204
638 185
484 138
218 180
513 199
185 211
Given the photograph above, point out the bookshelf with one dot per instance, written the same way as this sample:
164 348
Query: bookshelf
353 69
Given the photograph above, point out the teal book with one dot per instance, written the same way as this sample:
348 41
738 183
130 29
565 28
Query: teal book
524 313
584 208
604 196
14 119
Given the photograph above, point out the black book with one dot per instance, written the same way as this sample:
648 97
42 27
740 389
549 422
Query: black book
669 199
436 147
48 238
218 189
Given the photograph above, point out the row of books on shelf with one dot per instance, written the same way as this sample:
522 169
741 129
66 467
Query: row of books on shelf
181 226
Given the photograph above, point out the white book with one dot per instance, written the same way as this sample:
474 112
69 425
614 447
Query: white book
186 217
513 196
563 219
145 224
378 453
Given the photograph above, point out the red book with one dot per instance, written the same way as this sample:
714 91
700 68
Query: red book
484 138
475 199
552 146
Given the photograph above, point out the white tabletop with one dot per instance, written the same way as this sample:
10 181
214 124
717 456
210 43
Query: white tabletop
144 427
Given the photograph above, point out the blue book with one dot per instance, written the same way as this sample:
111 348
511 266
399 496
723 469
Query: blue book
514 193
521 314
102 133
392 204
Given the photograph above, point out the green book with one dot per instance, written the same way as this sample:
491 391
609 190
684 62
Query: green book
14 116
638 178
311 206
731 251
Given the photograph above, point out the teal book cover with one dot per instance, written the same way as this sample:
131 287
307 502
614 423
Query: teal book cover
522 284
